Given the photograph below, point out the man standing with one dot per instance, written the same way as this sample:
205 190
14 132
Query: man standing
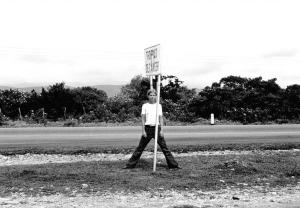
148 132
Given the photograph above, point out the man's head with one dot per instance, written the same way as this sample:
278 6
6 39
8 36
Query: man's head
151 91
151 94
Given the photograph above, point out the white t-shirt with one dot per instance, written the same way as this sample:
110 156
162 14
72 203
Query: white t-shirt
150 111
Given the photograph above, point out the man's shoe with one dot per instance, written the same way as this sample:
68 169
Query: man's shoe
175 168
127 167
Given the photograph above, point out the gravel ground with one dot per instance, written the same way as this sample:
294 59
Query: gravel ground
30 159
288 197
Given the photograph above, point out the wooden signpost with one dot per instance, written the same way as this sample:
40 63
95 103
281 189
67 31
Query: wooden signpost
153 68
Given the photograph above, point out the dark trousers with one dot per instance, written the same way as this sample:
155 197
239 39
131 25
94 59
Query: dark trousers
150 131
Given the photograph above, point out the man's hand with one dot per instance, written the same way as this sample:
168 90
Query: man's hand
143 125
162 134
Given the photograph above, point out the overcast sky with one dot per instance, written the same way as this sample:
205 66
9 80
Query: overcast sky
85 42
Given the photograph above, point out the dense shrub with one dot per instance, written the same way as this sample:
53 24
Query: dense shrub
3 119
233 98
71 123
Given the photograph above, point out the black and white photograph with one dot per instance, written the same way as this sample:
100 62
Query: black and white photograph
149 104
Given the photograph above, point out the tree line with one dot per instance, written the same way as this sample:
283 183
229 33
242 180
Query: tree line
233 98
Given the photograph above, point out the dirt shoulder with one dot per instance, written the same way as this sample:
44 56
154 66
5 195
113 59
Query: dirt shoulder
34 159
261 178
288 197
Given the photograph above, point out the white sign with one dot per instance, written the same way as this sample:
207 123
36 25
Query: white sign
152 64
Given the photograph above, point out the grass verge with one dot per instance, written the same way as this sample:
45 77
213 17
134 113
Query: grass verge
22 149
198 173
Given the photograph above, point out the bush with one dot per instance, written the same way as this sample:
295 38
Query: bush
281 121
39 117
3 119
101 113
71 122
89 117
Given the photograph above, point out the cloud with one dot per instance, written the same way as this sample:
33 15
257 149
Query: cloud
211 67
202 67
46 59
34 58
282 53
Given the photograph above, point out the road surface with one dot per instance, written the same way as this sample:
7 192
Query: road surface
129 136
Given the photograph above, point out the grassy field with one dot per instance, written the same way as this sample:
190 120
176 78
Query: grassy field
213 172
22 149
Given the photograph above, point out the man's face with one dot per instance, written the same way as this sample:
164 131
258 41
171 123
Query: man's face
152 97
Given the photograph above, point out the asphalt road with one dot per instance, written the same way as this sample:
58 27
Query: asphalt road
129 136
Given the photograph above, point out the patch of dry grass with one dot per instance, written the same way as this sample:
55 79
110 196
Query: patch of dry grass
22 149
197 173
